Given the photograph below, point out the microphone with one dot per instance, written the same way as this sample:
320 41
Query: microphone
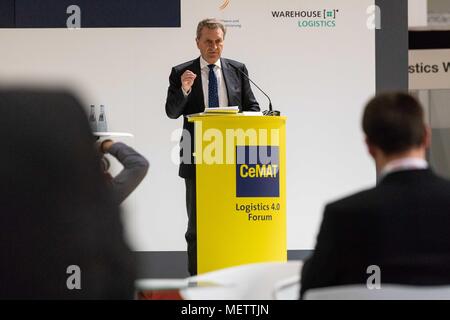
269 112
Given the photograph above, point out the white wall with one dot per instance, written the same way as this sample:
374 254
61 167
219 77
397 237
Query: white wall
318 78
417 13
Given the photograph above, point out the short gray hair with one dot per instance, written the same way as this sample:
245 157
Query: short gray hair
210 23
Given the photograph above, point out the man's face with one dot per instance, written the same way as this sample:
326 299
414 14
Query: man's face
210 44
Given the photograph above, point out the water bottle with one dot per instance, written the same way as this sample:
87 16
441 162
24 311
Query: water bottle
102 124
93 119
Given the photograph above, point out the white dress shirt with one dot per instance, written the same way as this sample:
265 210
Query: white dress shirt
223 97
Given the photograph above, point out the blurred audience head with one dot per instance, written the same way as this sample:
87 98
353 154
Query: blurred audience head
394 127
56 210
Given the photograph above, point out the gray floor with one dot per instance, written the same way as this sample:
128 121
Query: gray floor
173 264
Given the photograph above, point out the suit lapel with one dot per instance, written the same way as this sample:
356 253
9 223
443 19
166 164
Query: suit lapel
231 82
197 88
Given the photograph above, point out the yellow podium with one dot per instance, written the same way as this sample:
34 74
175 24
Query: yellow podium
241 190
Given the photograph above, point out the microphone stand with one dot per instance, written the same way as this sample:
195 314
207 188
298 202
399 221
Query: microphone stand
269 112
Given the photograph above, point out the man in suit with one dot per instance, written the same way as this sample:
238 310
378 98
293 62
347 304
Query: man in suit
401 225
206 82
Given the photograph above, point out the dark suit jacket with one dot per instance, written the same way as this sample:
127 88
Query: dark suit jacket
238 89
402 226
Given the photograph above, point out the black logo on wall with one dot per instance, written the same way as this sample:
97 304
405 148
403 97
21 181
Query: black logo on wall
93 13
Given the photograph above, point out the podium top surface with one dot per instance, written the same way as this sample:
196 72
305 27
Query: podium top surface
112 134
234 117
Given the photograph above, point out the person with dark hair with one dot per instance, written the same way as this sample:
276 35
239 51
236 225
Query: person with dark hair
400 227
206 82
60 231
135 168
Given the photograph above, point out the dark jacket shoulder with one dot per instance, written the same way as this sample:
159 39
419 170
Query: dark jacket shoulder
235 63
394 190
350 201
186 65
